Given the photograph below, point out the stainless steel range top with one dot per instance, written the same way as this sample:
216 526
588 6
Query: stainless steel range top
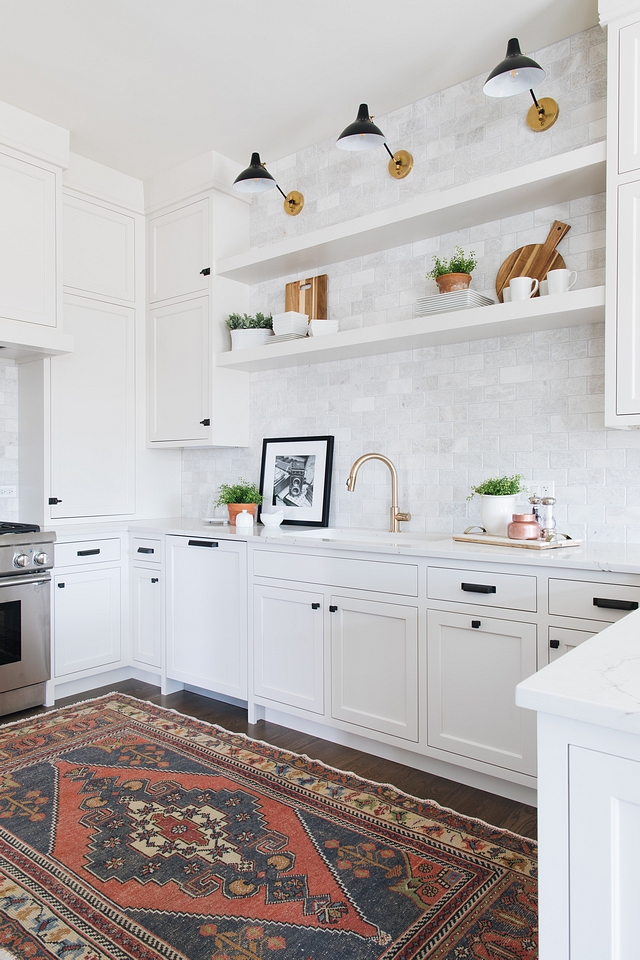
24 549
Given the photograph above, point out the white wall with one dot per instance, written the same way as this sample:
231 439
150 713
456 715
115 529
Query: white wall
448 416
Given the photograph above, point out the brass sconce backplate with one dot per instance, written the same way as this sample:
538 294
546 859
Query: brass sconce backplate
544 118
293 204
401 165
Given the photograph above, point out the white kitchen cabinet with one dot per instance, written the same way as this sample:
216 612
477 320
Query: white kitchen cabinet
98 249
627 373
374 665
179 250
29 283
93 413
86 619
206 614
146 609
474 665
629 101
288 643
562 640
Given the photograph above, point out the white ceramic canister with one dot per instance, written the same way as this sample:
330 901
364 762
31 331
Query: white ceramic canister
496 513
244 520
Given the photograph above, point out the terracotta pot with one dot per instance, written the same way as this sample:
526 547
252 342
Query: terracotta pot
449 282
236 508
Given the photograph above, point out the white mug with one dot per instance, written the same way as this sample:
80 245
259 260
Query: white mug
506 295
544 288
560 281
523 287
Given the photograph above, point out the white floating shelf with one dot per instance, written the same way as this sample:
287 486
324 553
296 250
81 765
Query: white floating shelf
479 323
578 173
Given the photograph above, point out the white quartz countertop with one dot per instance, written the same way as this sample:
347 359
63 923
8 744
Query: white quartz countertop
597 682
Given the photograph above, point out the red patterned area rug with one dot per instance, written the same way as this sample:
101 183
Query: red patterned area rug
130 832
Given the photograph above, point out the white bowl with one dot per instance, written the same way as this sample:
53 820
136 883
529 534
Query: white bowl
272 519
322 327
290 322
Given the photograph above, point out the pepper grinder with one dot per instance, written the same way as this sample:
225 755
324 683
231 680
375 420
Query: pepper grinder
547 520
536 502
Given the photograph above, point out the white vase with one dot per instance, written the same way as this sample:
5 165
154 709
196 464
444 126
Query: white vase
242 339
496 513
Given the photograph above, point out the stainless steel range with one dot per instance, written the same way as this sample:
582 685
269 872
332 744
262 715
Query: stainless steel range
26 557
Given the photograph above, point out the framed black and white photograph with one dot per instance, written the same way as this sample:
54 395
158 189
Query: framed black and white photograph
295 477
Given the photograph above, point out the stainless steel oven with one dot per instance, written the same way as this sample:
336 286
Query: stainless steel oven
25 618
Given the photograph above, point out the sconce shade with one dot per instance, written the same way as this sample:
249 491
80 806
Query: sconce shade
255 179
515 74
362 134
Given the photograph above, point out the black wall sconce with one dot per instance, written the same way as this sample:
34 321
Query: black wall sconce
363 134
517 73
257 179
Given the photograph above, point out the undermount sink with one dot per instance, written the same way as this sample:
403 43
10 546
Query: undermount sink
353 535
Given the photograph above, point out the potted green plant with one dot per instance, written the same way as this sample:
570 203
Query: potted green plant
249 331
498 497
238 497
455 273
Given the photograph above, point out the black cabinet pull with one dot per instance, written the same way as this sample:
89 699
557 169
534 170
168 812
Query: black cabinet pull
203 543
476 623
315 606
61 586
206 271
146 550
154 579
332 609
477 588
53 501
88 553
615 604
554 644
206 422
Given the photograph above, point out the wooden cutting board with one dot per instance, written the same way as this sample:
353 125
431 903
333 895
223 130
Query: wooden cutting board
534 260
308 296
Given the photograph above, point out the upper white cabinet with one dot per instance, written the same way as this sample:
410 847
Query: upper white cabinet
28 229
98 249
179 252
627 317
629 102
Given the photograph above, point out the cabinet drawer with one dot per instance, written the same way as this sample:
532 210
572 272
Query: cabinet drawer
589 600
512 591
149 551
376 575
86 551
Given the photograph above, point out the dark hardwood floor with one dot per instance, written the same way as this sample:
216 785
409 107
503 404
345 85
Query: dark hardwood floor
518 817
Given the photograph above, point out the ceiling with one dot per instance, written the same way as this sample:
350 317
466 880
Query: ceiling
146 84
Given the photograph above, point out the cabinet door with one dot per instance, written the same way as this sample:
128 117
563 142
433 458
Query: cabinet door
93 413
28 281
178 371
629 106
289 647
561 641
98 252
628 305
86 617
146 600
472 676
206 600
604 882
374 665
178 252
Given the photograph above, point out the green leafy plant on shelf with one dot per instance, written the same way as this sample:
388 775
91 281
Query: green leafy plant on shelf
499 487
244 321
458 263
240 492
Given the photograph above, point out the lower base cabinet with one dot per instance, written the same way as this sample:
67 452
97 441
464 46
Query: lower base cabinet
146 602
374 665
474 665
86 619
206 614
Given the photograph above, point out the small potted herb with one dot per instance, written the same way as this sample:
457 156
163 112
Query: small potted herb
498 497
455 273
238 497
249 331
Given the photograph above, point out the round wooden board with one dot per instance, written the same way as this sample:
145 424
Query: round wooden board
515 264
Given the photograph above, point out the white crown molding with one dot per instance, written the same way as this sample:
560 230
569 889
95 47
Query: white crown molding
616 9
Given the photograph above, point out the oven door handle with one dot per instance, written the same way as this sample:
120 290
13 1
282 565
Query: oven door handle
21 581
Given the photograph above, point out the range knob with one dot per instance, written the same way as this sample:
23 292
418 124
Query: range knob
41 558
22 560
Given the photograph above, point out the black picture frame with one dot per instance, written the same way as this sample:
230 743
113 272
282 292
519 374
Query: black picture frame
295 476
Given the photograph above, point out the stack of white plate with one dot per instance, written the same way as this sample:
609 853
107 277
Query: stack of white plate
447 302
288 336
290 322
319 328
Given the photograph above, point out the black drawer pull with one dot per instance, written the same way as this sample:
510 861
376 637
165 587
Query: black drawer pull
61 586
615 604
477 588
88 553
332 609
554 644
476 623
315 606
146 550
154 579
203 543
